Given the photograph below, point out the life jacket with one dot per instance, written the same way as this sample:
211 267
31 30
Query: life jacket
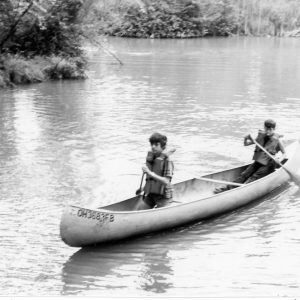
156 165
272 146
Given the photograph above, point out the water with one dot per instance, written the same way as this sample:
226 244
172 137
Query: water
84 142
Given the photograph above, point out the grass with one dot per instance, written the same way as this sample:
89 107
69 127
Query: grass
15 69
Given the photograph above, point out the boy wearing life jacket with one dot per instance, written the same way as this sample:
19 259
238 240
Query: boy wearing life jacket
159 170
263 164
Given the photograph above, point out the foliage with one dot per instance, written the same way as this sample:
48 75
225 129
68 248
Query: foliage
63 68
40 39
218 17
184 19
267 17
193 18
22 71
33 28
17 69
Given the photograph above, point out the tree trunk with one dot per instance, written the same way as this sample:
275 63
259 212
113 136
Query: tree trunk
239 17
259 18
245 13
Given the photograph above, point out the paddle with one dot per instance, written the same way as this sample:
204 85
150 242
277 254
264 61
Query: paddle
294 177
139 191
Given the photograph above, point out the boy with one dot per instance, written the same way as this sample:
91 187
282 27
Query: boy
263 164
159 170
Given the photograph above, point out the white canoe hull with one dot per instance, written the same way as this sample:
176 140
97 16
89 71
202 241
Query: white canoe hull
83 226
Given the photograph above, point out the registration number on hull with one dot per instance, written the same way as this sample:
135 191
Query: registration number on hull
95 215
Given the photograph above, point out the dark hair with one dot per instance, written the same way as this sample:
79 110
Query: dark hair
158 138
270 123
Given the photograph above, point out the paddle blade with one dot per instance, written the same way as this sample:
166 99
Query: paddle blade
293 175
296 178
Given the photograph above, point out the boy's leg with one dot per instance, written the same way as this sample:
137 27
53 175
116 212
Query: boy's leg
145 202
248 172
141 204
261 172
241 179
163 202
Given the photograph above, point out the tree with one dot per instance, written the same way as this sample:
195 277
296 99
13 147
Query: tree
41 28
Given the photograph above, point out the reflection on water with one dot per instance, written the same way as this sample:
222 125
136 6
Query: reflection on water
118 267
83 142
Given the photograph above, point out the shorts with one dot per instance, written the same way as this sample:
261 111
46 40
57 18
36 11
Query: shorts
156 200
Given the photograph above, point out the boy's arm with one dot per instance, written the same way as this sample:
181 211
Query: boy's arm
281 148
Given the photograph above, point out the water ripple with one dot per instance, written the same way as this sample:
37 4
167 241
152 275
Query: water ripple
84 142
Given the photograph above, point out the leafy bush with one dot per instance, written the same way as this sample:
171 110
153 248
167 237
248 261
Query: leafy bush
15 69
218 17
4 81
20 70
62 68
183 19
158 21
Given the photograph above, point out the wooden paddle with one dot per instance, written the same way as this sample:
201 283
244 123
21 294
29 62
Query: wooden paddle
294 177
139 191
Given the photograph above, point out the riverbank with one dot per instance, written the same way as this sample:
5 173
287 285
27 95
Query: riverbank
16 69
53 33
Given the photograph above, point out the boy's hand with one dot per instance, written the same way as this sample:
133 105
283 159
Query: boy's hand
248 140
281 158
249 137
146 170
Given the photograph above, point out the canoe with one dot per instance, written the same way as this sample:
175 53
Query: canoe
193 200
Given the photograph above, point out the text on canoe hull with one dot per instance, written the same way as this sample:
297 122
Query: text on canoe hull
91 214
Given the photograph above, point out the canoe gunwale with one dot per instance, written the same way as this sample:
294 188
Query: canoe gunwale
215 196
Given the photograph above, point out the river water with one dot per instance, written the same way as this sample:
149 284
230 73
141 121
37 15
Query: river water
84 142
